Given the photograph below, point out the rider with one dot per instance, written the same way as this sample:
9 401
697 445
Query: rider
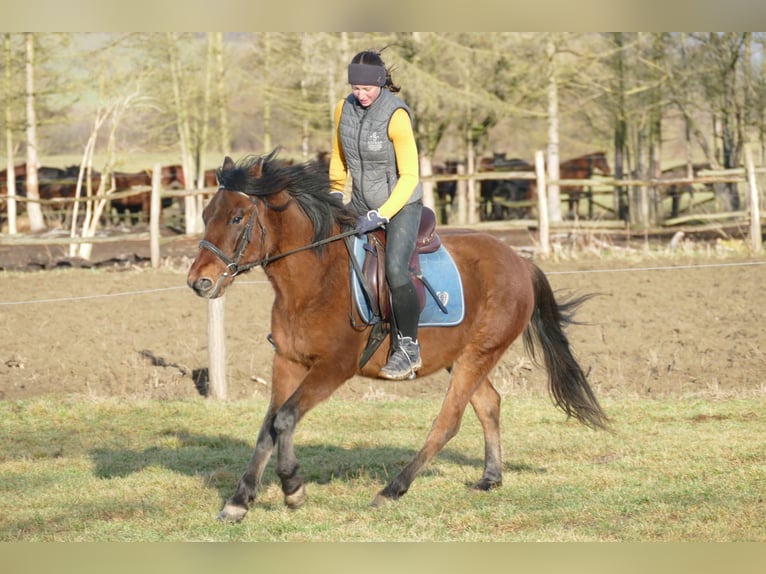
374 142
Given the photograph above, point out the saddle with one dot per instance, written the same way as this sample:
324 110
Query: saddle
374 266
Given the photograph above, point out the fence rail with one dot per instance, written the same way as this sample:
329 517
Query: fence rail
599 187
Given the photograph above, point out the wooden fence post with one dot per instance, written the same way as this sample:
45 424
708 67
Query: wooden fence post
542 205
756 240
154 216
216 344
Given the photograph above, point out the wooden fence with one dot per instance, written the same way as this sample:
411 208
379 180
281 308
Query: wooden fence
634 191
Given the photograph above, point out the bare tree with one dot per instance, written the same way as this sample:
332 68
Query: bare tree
553 190
34 210
222 103
10 97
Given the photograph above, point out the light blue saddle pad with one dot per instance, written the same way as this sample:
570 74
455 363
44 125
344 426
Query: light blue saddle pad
439 270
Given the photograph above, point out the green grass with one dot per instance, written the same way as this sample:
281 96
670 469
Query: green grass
114 470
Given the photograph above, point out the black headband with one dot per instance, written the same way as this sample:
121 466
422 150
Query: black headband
366 75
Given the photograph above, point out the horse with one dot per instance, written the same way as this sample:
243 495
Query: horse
497 194
582 167
283 219
138 205
445 190
52 183
676 189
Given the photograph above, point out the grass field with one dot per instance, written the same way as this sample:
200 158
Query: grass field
134 470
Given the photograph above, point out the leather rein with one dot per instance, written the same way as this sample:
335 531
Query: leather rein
234 266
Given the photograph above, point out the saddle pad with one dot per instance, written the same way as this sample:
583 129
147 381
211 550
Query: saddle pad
439 270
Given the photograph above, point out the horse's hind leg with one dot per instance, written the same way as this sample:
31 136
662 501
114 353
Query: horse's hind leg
446 425
486 404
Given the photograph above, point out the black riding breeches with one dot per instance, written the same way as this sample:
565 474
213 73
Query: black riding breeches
401 235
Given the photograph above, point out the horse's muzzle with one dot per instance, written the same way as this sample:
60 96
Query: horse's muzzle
205 287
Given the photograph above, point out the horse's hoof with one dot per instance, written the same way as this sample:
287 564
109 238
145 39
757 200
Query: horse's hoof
381 500
487 484
296 499
231 513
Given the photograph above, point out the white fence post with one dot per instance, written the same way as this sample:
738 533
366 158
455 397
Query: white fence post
216 344
755 215
155 207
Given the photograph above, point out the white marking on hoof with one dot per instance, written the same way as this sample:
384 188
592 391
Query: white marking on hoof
231 513
381 500
297 498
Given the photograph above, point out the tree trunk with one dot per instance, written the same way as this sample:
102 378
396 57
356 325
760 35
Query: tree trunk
34 210
460 194
207 97
10 167
184 131
620 131
469 212
223 104
553 189
426 169
201 144
267 93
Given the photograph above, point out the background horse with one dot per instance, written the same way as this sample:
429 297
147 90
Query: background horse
284 219
676 190
134 208
583 167
500 197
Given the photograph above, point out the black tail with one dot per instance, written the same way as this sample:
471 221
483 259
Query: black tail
566 381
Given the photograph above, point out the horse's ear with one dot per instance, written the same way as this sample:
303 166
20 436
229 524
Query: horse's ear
256 170
228 163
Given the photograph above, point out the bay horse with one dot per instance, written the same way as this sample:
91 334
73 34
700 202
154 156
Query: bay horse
133 208
283 219
497 194
582 167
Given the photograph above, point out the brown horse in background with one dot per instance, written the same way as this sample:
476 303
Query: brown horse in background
137 206
498 195
284 219
582 167
676 189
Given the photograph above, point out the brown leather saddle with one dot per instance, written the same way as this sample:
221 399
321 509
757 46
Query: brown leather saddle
374 266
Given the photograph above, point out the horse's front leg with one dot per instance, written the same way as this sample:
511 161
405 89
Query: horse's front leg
286 377
238 504
320 382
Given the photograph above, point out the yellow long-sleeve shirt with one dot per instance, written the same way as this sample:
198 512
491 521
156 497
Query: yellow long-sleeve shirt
403 139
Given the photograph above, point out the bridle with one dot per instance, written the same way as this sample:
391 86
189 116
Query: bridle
234 265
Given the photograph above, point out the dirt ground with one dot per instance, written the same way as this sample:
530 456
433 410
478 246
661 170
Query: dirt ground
660 325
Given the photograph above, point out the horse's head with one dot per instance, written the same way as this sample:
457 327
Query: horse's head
251 220
173 176
600 163
233 232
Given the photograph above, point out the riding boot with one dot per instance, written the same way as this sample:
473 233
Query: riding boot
405 358
404 361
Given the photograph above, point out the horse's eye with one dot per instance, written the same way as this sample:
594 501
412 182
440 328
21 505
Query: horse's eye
236 220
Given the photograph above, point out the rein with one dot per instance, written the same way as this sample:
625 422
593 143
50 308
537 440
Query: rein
233 266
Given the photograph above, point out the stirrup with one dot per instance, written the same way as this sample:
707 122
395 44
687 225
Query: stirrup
404 361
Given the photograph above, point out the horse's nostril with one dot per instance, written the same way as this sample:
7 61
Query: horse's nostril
203 285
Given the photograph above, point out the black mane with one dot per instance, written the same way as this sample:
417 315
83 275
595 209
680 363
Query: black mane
308 183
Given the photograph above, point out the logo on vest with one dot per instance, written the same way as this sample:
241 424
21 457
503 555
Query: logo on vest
374 142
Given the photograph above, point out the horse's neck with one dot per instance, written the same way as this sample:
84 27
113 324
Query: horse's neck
307 275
